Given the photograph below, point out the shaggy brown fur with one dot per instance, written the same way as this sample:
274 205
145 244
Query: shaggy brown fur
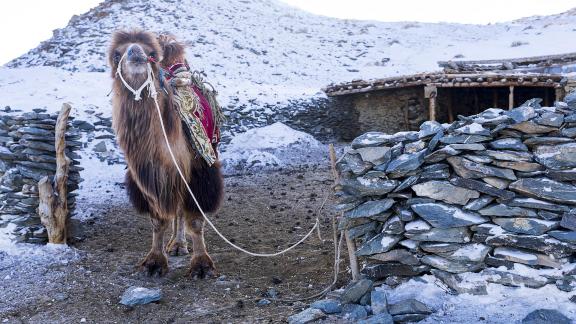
153 183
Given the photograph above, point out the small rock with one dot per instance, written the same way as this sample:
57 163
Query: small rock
139 296
381 318
409 306
379 301
546 316
306 316
378 244
264 302
567 284
354 312
100 147
355 290
447 216
328 306
445 191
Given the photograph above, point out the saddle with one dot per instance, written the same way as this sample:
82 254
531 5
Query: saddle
198 109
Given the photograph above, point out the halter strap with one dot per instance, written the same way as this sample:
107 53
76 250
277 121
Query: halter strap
149 80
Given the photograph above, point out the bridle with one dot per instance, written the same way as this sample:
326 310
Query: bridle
149 79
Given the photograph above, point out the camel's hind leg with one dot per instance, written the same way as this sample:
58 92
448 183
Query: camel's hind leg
201 265
156 261
177 244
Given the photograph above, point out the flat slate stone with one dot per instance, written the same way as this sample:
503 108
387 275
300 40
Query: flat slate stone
503 210
398 255
473 129
379 318
445 191
459 285
530 127
468 169
529 226
473 252
546 189
407 183
464 139
537 204
496 182
544 243
478 158
568 132
353 162
415 147
556 157
379 301
393 226
547 140
354 312
479 203
306 316
371 139
380 271
503 155
569 220
441 154
511 279
447 216
358 231
564 236
468 147
519 165
328 306
525 257
550 119
429 128
544 214
562 175
140 296
375 155
522 113
355 290
449 265
514 144
448 235
378 244
406 163
409 306
370 208
546 316
363 186
417 226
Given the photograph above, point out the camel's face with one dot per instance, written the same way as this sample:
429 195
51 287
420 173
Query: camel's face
132 51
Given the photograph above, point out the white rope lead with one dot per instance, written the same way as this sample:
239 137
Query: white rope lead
153 94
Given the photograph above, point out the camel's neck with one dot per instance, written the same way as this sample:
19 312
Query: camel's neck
137 123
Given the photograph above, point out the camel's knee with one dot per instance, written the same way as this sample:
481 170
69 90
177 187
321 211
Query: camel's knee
195 223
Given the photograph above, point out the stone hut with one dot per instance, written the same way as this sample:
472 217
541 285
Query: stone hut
402 103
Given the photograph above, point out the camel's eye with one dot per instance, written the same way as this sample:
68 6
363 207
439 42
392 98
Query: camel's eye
116 57
153 55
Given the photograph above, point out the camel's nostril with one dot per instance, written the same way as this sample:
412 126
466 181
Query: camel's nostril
135 54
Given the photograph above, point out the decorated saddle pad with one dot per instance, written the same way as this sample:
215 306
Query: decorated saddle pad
198 109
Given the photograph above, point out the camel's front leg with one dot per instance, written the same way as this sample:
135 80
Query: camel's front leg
201 265
156 261
177 244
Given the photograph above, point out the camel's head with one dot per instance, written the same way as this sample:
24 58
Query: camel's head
173 51
132 50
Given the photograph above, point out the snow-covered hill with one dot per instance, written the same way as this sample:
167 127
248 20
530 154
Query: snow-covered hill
263 51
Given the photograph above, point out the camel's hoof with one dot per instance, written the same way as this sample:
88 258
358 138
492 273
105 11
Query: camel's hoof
176 248
202 267
154 264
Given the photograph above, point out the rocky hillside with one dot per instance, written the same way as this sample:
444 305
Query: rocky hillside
266 50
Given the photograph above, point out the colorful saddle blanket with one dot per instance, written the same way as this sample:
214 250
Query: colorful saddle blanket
198 109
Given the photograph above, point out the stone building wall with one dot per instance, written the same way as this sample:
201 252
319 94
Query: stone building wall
27 154
490 190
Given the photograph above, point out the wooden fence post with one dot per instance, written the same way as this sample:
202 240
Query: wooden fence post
53 206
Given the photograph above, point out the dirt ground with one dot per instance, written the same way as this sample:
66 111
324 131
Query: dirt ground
263 212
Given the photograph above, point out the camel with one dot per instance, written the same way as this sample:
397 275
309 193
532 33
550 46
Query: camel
152 181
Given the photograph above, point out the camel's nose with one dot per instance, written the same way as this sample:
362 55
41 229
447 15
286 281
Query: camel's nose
135 54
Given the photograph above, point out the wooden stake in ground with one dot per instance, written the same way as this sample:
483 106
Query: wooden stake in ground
349 242
53 207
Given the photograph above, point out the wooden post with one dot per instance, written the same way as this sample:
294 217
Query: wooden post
450 111
53 206
511 98
495 98
559 94
431 92
476 101
349 242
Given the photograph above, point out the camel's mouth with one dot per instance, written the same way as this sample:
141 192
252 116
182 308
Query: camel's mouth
136 59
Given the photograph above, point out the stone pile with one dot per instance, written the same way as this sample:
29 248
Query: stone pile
27 154
490 190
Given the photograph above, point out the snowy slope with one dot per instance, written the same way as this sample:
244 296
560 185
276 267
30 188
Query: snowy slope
263 51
